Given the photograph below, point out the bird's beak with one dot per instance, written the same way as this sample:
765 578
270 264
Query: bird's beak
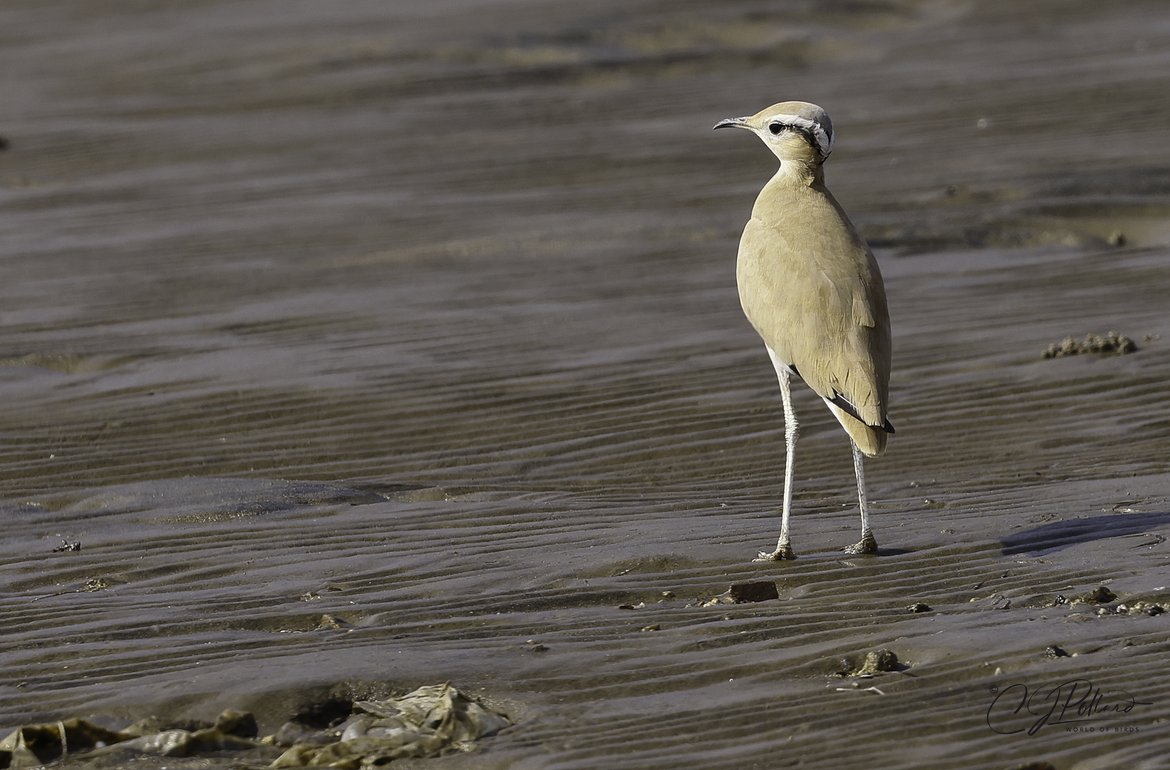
733 123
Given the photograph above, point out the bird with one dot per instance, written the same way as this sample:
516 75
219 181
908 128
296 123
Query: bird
811 287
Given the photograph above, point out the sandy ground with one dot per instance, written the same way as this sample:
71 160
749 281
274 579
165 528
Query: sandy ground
422 315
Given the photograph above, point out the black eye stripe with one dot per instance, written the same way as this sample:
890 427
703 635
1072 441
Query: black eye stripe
776 126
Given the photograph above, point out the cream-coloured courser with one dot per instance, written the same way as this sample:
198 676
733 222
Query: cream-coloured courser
811 287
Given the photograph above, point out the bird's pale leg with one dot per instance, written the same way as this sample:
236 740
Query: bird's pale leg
791 431
867 544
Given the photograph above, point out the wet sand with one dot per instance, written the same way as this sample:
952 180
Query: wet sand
424 318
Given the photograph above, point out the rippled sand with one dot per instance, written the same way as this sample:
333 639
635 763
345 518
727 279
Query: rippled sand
423 316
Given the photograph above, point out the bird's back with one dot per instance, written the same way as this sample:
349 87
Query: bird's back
812 290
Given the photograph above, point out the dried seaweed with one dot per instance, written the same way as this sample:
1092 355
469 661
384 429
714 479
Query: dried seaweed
427 722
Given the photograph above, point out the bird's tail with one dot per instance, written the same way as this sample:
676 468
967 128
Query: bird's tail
870 439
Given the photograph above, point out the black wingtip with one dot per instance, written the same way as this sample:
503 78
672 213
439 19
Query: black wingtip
839 401
843 404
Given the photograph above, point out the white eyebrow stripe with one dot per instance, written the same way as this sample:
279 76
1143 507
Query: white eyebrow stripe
824 141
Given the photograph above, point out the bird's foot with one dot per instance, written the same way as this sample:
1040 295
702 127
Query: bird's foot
867 545
782 553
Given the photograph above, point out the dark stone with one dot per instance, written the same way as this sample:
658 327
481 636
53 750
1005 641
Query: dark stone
1100 595
241 724
758 591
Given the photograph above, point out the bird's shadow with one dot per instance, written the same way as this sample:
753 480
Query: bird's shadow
1059 534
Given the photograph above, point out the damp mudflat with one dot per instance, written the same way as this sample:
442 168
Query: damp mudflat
346 350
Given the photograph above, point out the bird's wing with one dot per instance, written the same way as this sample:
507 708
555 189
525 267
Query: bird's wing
820 305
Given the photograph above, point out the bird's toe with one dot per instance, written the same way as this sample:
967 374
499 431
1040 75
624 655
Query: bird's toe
867 544
780 554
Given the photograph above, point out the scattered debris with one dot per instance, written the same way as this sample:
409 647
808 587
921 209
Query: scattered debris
919 607
332 623
1140 607
95 584
1156 605
1055 651
996 601
652 627
430 721
638 606
858 688
66 546
90 585
1111 343
534 646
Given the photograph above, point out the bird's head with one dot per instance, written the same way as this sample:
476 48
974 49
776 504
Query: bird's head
793 131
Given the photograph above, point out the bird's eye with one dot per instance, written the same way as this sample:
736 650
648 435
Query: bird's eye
775 128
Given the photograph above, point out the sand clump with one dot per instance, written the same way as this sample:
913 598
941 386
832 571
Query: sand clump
1111 343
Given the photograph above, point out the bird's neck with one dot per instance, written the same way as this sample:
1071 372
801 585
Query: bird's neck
798 173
